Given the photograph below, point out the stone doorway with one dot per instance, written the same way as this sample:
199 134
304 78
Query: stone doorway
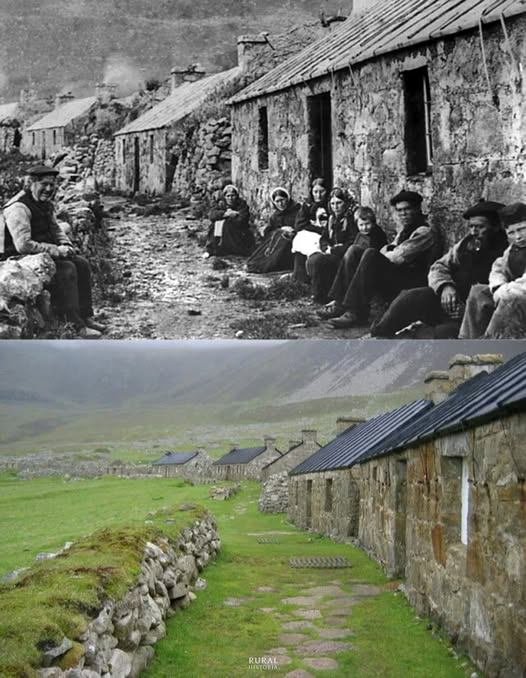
136 165
320 136
308 509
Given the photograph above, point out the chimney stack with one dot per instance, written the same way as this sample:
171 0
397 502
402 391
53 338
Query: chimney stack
345 423
254 54
270 443
463 367
63 98
437 386
191 73
105 92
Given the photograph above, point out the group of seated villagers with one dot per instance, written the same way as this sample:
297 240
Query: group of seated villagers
477 289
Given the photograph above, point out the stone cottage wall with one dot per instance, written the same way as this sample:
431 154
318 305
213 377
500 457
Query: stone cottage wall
104 164
119 642
477 134
330 507
477 590
290 459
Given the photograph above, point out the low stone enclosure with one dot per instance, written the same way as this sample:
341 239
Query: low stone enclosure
114 632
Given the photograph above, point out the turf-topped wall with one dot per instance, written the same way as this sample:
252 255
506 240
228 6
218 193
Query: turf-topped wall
99 607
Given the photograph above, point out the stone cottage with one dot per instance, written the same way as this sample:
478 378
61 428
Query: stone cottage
297 452
246 463
172 463
10 136
427 96
69 120
441 504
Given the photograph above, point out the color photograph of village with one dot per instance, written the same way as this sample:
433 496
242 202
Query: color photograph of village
325 173
208 508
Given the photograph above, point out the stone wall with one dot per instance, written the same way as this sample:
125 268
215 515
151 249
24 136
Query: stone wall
326 503
477 134
274 494
119 641
104 164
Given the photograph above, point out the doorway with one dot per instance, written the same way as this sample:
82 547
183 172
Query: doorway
308 511
136 165
320 137
400 518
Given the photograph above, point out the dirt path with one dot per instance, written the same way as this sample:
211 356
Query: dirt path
164 289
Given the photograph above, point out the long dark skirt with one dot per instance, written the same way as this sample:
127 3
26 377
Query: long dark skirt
235 240
322 268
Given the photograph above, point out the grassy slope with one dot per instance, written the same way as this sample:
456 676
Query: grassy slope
210 638
32 428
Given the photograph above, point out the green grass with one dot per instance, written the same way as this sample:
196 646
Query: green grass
209 638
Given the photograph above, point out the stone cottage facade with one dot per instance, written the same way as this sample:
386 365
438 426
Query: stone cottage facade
10 135
69 120
440 502
426 96
246 463
297 452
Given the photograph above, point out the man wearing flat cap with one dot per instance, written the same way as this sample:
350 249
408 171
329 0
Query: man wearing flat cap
403 264
31 228
441 305
498 310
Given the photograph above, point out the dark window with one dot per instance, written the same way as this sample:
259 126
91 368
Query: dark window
54 137
263 139
328 494
123 149
33 138
151 148
418 140
320 137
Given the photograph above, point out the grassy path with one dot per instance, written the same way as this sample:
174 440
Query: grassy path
254 605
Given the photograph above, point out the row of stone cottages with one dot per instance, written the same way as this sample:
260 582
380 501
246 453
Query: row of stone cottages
426 95
435 491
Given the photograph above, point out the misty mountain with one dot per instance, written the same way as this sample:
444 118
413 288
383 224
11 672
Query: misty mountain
117 374
72 44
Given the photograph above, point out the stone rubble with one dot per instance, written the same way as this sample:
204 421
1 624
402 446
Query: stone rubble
274 496
222 493
119 642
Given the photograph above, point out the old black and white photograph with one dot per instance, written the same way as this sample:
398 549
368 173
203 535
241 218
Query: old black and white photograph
262 338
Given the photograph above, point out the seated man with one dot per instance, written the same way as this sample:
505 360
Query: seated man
441 304
401 265
498 310
30 228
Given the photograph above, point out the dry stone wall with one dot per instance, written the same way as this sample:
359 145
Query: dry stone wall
119 642
274 495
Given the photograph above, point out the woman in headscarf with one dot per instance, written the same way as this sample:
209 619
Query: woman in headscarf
274 253
306 224
340 232
230 231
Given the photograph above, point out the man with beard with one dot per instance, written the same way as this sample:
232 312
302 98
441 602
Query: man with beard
31 228
498 310
436 311
382 274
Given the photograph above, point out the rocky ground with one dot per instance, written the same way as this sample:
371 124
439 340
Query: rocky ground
160 287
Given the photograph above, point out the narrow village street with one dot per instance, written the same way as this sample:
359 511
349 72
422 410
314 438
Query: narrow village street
161 287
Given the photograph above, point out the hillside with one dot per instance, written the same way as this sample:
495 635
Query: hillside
72 44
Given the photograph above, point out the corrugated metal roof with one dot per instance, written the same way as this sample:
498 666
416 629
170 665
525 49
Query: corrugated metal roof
387 26
177 458
240 456
349 447
8 111
183 100
482 398
63 114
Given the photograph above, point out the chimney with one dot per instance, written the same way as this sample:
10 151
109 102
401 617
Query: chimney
191 73
253 54
345 423
309 436
270 443
105 92
437 386
63 98
463 367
